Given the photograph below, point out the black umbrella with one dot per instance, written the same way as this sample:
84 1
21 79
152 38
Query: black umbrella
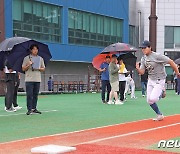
9 43
129 60
177 61
20 51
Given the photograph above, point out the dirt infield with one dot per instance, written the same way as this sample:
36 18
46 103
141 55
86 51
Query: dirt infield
99 149
122 138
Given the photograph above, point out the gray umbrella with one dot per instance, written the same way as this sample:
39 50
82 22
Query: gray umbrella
177 61
119 47
9 43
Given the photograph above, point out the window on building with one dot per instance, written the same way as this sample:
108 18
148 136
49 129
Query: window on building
36 20
172 37
92 29
133 35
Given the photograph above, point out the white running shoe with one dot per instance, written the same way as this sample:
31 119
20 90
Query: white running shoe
17 107
118 102
110 102
159 118
10 110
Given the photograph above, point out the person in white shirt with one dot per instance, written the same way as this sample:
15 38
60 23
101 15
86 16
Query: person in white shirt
130 84
122 79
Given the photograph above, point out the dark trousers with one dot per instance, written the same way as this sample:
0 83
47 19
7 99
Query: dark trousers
176 85
105 85
32 91
144 87
122 85
9 96
15 93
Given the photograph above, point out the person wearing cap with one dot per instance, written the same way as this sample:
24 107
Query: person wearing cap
105 79
114 81
155 65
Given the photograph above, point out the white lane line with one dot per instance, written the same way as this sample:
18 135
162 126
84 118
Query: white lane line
127 134
83 130
7 115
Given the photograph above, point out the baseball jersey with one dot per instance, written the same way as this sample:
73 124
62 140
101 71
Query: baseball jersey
155 65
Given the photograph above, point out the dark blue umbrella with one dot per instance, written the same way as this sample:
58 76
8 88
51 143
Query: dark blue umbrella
20 51
9 43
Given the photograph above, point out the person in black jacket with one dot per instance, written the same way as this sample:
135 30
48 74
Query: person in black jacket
12 80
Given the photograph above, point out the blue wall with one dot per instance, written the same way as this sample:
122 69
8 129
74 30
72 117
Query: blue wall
64 51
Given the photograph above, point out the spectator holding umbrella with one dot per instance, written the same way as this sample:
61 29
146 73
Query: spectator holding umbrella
114 80
105 79
33 65
12 79
122 78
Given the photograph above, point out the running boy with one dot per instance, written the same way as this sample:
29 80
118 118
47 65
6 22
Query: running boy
155 64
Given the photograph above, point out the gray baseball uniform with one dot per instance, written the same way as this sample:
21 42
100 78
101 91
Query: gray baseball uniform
155 64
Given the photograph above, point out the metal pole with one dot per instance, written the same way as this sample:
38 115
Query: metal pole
139 28
153 25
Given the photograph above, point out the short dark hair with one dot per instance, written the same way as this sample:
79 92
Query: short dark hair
119 59
108 56
114 56
34 45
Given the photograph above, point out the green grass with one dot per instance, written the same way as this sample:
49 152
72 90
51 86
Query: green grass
177 150
76 112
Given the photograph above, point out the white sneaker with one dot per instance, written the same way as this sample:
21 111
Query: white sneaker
110 102
118 102
159 118
143 95
10 110
17 107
